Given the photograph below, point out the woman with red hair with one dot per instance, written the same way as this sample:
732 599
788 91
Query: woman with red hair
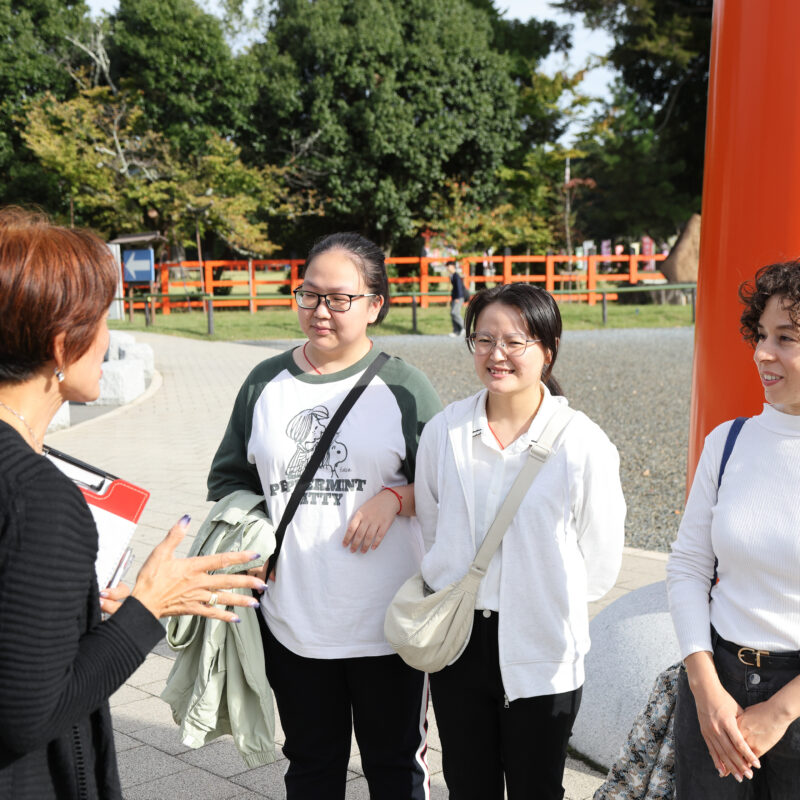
58 661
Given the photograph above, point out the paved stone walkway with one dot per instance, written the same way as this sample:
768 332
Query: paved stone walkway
165 441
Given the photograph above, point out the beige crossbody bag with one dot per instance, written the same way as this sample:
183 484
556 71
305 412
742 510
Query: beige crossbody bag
430 630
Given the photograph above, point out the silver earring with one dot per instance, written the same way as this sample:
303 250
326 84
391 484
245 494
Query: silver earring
59 373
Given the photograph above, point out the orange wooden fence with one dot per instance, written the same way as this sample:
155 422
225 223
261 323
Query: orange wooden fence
258 282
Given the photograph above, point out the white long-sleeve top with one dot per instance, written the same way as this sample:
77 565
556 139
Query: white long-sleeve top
563 548
753 527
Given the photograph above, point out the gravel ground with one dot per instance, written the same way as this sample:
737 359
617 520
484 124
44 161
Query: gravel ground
635 383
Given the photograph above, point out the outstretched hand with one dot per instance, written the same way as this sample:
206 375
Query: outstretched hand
169 586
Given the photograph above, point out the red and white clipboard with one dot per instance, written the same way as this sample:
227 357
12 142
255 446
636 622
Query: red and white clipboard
116 506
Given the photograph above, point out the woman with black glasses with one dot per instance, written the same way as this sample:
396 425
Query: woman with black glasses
505 707
353 539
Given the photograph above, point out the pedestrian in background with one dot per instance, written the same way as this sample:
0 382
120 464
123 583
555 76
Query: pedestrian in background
457 296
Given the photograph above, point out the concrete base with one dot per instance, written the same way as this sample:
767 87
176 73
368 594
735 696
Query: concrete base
122 382
632 642
118 340
140 352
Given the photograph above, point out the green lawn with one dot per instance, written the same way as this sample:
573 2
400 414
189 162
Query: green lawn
232 325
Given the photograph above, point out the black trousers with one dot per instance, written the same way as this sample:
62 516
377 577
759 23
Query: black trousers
321 701
486 739
697 777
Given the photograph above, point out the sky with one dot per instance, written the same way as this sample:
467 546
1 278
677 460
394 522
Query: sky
585 43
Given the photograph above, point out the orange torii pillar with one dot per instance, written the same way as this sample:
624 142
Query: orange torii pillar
751 200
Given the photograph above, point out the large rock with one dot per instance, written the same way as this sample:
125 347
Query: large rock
118 340
681 265
140 352
122 382
632 642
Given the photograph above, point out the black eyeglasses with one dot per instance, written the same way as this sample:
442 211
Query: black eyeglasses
336 301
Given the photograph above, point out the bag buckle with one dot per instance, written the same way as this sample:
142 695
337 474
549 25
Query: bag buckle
753 651
539 451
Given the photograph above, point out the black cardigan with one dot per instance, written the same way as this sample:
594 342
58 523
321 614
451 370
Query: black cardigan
58 662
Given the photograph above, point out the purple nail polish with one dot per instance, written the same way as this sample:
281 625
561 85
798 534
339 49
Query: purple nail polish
185 520
235 619
254 603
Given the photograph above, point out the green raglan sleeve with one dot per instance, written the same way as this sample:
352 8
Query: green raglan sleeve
418 402
230 469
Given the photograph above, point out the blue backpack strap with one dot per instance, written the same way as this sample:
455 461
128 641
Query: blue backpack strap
733 433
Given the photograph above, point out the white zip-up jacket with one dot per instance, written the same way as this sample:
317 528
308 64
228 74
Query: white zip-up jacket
563 548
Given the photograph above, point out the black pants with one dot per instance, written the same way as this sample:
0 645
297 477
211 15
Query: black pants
486 738
697 777
320 701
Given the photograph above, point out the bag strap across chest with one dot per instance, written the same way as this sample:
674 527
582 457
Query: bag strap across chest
730 441
321 449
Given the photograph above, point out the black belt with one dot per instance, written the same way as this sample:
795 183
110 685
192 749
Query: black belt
751 657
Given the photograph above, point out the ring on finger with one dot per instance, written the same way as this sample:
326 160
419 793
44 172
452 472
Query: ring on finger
212 601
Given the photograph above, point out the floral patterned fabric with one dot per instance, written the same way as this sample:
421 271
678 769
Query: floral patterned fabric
645 768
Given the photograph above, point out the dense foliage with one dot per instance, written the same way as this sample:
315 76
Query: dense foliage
647 143
391 118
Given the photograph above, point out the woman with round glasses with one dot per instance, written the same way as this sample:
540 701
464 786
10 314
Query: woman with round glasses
354 538
505 707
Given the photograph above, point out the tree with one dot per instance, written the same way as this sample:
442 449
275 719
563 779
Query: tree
176 56
377 104
460 222
33 56
661 48
122 174
529 183
526 44
638 190
524 40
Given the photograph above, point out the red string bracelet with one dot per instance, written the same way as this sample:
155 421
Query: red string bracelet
397 495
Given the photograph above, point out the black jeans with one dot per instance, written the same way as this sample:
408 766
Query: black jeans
697 777
321 700
485 738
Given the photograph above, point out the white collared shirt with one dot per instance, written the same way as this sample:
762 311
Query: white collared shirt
495 470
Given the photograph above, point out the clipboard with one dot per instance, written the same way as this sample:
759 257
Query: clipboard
116 506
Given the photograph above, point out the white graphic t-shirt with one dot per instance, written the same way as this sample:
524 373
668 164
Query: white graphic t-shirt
326 601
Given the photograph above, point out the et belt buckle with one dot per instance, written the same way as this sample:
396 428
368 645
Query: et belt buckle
751 652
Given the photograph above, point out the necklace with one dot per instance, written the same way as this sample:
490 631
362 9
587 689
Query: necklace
305 356
36 445
491 430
